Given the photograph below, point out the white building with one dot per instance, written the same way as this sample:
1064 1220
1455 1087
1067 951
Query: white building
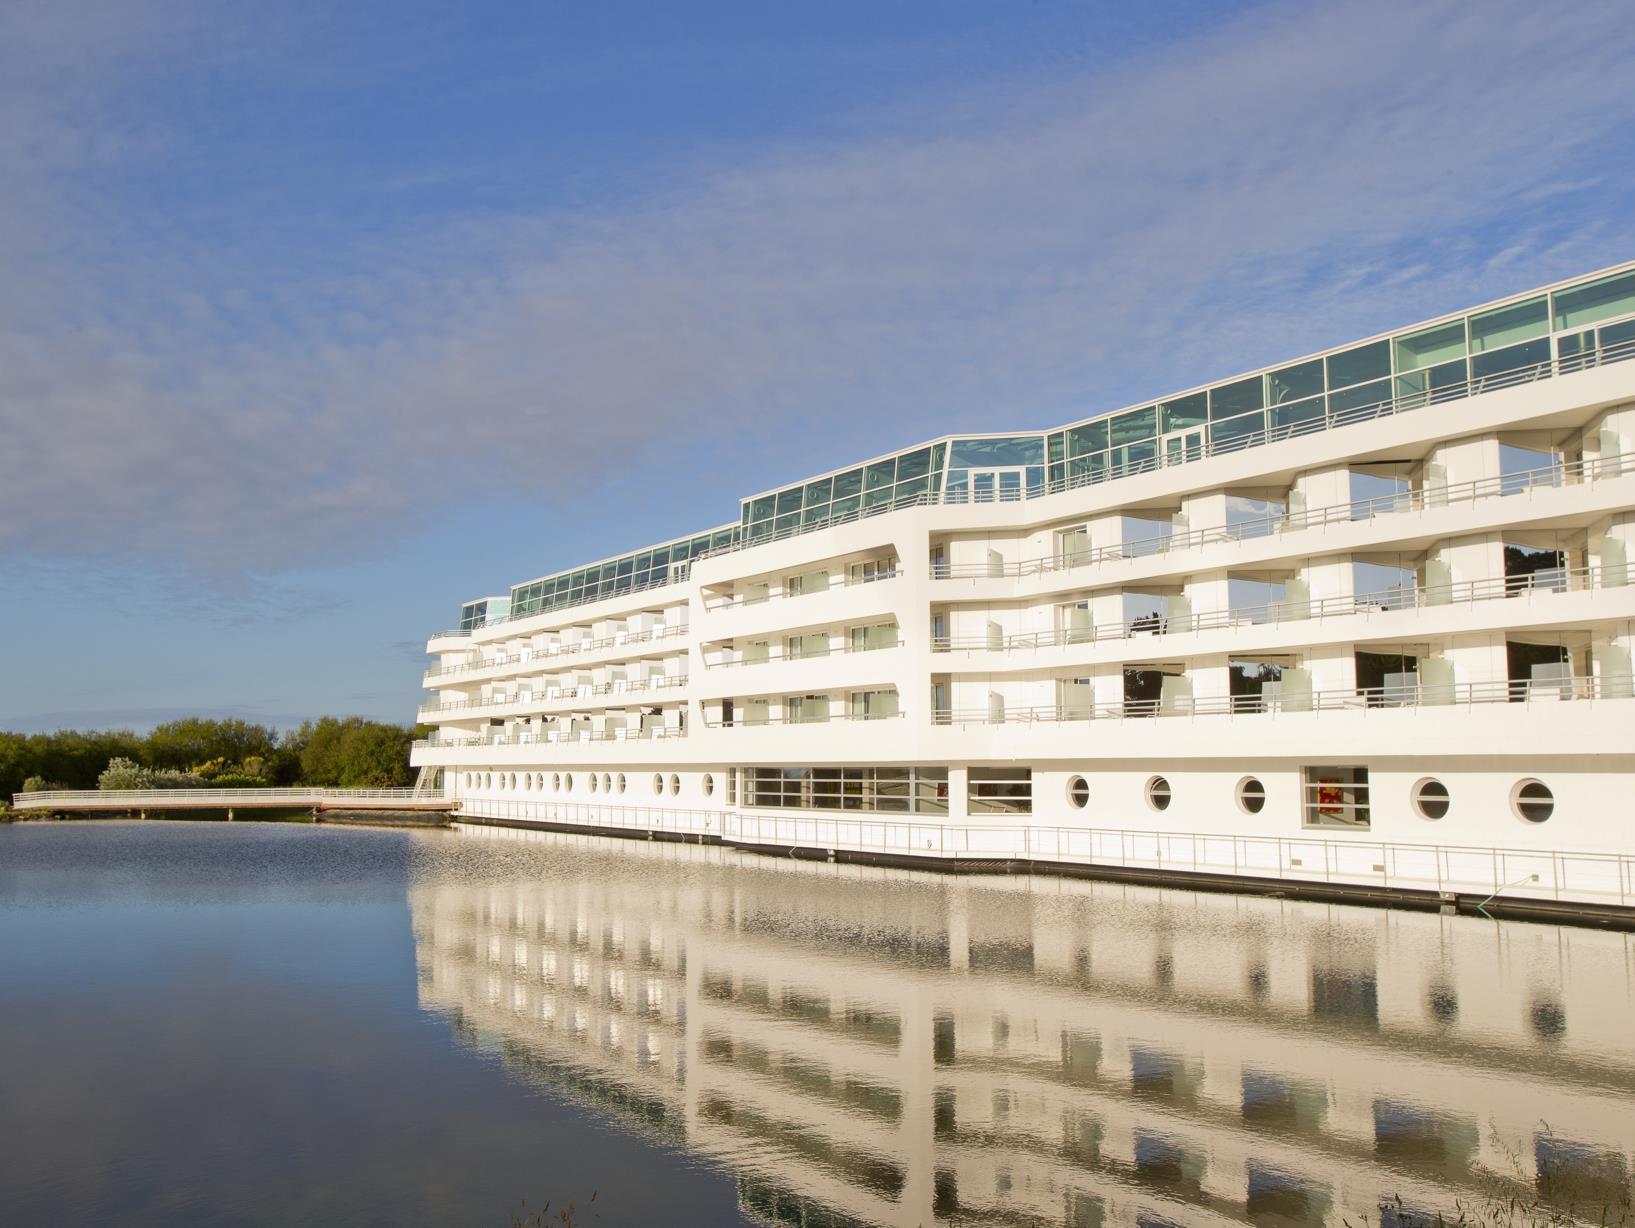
1361 619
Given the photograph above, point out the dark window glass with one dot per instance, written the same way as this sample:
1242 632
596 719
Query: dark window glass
1091 437
881 473
1229 400
1295 383
1366 362
848 483
761 509
914 465
789 500
818 491
1185 411
1135 426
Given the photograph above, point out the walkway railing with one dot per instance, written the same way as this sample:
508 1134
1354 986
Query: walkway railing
1348 699
1322 417
556 694
1274 613
1402 502
126 799
555 653
1353 860
553 737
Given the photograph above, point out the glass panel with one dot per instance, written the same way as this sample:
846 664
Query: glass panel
1288 419
789 500
761 509
815 515
1135 426
878 497
1514 358
914 465
842 508
909 491
993 453
1431 345
1091 437
818 491
1356 402
1237 430
958 482
881 473
1184 411
1599 300
1230 400
1504 325
1366 362
1056 447
848 483
1295 383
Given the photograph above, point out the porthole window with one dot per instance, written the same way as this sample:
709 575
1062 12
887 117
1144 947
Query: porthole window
1078 792
658 783
593 782
607 783
567 783
556 782
1431 798
468 780
709 784
621 782
1251 795
513 780
1533 801
675 785
1158 794
488 780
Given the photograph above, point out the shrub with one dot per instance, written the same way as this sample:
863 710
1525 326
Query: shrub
125 774
238 780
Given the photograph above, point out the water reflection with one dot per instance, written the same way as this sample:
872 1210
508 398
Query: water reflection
878 1047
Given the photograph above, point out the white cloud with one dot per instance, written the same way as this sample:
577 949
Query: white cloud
1020 256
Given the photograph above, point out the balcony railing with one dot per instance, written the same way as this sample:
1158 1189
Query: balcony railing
739 599
1348 699
553 652
1418 500
1402 400
553 737
1469 592
555 694
744 722
845 650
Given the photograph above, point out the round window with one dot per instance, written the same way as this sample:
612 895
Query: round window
468 780
556 782
567 782
1158 794
621 782
1533 801
675 785
593 782
607 783
708 784
1251 795
1431 798
1078 792
513 780
658 783
488 780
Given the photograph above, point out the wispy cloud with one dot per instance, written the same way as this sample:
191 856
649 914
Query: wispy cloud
1019 254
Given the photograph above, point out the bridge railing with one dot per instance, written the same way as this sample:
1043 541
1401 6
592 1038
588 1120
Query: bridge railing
125 799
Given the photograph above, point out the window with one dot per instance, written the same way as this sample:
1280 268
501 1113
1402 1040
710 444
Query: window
877 789
994 790
732 786
675 785
1251 795
1078 792
658 783
621 782
607 783
1430 798
556 782
1336 797
806 709
593 782
1158 793
567 783
1533 801
709 784
881 635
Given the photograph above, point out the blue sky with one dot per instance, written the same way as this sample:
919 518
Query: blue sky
318 319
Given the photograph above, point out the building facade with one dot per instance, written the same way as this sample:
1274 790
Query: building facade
1363 618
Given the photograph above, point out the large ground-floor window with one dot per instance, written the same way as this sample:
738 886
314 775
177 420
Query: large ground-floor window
995 790
1336 796
900 790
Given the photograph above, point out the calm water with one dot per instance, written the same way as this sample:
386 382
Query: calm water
260 1024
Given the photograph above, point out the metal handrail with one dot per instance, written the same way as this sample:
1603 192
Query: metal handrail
844 650
733 602
1406 597
1389 406
1418 500
565 650
783 719
316 793
1349 699
563 695
556 737
1352 858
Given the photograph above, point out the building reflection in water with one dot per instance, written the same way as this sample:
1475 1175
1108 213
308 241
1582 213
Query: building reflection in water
865 1046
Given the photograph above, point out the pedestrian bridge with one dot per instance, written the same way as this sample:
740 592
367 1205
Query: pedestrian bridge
130 800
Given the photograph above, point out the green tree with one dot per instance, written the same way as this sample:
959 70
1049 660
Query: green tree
183 744
353 753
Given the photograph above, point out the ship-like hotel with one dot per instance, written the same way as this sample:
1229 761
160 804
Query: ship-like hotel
1360 622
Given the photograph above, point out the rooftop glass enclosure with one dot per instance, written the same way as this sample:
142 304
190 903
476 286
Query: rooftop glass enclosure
1564 328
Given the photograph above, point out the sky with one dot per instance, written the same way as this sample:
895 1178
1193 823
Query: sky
319 319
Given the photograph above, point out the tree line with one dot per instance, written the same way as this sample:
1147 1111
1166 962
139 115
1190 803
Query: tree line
346 752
